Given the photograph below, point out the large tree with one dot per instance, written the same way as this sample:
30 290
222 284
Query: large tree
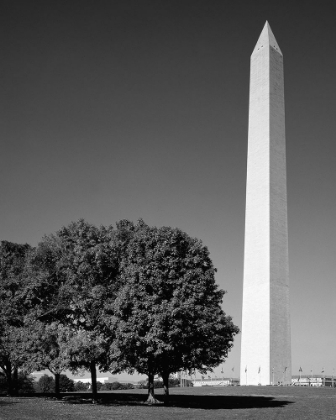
42 348
72 276
12 312
168 314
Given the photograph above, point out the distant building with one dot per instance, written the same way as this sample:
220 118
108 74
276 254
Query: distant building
215 382
103 379
307 381
330 381
314 380
88 380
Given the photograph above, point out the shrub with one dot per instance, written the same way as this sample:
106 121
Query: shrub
66 384
114 386
3 384
159 383
45 384
25 384
143 384
81 386
173 382
100 385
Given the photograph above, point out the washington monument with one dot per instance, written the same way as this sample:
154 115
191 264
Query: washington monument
266 337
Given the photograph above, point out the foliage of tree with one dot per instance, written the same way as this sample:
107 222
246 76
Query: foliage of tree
46 384
41 348
3 384
24 384
168 314
81 386
66 384
172 382
132 298
12 262
114 386
99 385
73 272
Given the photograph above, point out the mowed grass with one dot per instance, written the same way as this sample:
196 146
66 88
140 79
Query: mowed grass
186 403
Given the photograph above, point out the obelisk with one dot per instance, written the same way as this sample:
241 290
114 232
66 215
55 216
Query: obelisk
266 336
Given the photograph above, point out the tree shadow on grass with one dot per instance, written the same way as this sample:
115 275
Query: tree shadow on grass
205 402
228 402
6 401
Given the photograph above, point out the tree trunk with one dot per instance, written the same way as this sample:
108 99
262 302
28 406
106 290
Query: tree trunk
15 381
151 397
57 384
165 378
93 379
8 372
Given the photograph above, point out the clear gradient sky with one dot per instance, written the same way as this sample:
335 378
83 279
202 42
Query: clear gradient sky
139 109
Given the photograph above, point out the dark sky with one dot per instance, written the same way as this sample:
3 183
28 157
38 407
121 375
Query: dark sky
128 109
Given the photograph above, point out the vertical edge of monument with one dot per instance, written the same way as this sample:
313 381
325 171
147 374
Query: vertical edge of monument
279 271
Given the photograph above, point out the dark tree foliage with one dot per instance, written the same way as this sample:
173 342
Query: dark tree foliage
99 385
159 383
46 384
12 311
72 276
25 384
168 314
114 386
42 349
66 384
132 298
81 386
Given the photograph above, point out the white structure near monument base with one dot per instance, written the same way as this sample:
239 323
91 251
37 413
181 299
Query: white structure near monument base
266 341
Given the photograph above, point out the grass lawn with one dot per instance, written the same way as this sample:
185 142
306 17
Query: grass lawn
186 403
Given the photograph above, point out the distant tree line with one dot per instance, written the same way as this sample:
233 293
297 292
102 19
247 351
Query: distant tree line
130 298
46 384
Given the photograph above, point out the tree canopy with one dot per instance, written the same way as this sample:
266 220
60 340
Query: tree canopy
74 273
167 316
12 262
134 298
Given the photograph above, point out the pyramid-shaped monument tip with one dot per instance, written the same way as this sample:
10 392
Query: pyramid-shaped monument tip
267 38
